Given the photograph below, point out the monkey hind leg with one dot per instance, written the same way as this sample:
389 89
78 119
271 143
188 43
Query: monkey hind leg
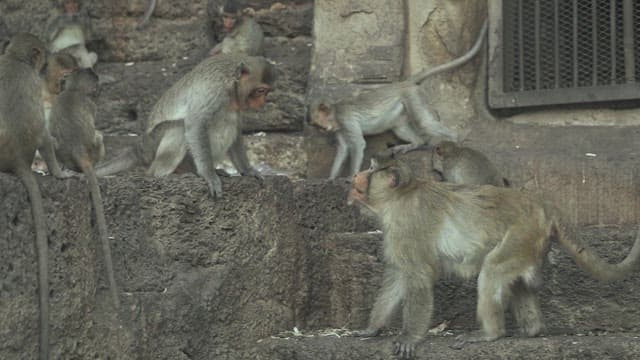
172 149
526 309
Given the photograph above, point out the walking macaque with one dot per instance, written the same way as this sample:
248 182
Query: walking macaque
499 234
21 131
72 123
200 114
70 31
464 165
398 107
243 34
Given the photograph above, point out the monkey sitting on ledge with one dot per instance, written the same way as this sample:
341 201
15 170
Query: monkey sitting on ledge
498 234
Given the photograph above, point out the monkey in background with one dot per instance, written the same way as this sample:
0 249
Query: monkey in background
80 146
22 128
432 229
464 165
399 107
199 116
243 35
70 31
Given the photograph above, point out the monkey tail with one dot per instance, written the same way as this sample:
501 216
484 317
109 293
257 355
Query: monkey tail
147 15
594 264
96 198
421 76
125 161
42 248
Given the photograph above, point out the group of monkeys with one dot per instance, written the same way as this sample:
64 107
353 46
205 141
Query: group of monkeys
431 229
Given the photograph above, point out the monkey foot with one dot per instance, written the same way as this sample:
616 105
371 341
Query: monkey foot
472 337
403 348
366 333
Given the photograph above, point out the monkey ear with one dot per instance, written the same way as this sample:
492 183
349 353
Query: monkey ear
438 150
242 71
36 55
324 108
398 178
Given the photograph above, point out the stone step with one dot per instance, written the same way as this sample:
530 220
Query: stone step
606 346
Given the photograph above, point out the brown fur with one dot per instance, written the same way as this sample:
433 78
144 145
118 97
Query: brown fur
435 229
21 130
80 146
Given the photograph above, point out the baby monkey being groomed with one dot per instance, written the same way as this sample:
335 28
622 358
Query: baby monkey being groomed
80 147
399 107
434 229
198 118
464 165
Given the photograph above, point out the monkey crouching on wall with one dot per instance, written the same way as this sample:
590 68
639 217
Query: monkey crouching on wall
500 235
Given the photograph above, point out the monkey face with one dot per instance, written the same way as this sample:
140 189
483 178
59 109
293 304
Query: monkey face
381 182
71 6
359 188
258 97
322 117
229 21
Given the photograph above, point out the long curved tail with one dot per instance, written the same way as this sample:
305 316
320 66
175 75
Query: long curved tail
125 161
98 206
147 14
421 76
596 266
42 248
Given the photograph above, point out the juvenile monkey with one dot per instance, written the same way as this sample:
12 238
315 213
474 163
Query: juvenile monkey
500 235
80 146
69 31
464 165
398 107
199 114
21 130
243 34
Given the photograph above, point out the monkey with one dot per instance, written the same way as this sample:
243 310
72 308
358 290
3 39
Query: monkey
58 66
434 229
70 31
399 107
147 15
21 130
243 34
199 114
72 123
464 165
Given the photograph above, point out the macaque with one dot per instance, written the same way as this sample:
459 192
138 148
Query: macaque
464 165
80 146
243 35
70 31
199 116
399 107
501 235
21 131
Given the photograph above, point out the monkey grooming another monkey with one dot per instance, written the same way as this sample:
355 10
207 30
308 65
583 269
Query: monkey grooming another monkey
80 146
464 165
433 229
21 130
398 107
243 34
70 31
200 114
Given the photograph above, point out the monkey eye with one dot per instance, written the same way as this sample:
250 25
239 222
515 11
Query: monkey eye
261 91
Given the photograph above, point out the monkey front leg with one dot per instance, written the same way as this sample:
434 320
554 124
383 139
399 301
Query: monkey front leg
391 294
47 150
416 315
197 140
341 155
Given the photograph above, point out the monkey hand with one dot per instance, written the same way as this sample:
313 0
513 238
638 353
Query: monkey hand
404 348
215 188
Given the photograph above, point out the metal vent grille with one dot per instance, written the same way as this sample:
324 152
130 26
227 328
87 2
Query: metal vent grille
564 51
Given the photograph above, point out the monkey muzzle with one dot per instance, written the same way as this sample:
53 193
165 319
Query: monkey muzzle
359 187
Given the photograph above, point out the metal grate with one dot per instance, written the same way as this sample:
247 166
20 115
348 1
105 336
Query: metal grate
564 51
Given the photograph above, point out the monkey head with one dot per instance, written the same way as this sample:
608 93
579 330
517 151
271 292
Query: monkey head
385 179
230 14
445 148
254 80
84 80
59 66
28 49
322 116
70 6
